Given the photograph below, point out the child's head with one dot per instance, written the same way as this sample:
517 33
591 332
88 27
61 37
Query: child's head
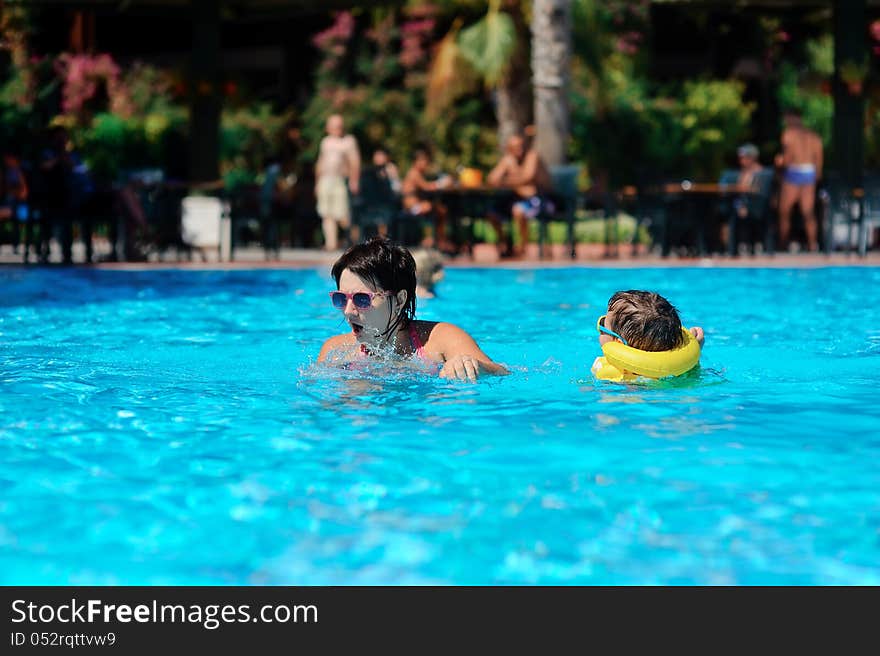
646 320
421 159
429 269
380 157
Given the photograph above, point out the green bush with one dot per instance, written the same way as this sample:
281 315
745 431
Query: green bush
621 129
588 229
714 120
249 136
817 105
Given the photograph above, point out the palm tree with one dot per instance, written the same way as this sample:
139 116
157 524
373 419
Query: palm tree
493 52
551 57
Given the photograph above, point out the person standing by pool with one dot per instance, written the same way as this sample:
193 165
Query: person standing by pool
801 160
376 291
338 161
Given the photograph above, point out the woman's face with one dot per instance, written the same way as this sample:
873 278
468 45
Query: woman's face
368 324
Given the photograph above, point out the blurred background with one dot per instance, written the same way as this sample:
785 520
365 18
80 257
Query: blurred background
223 94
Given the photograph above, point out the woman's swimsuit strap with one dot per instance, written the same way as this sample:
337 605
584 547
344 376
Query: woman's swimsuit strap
416 342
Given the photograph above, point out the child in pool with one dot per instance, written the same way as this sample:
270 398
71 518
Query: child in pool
376 283
429 271
644 321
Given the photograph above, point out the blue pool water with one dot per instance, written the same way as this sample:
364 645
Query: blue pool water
170 428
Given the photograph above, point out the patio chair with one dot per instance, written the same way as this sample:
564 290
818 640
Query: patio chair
377 205
564 196
871 214
842 212
250 222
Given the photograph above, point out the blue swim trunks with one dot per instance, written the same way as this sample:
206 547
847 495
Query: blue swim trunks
800 175
533 206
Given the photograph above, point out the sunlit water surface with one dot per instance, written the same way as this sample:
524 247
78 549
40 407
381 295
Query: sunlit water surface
171 428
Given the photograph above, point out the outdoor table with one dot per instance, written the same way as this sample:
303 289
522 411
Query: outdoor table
692 197
462 202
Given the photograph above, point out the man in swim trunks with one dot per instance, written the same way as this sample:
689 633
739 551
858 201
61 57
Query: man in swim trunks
526 174
338 161
801 160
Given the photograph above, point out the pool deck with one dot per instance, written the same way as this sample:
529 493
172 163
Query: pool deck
254 258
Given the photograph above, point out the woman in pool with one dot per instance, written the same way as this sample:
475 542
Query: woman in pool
376 283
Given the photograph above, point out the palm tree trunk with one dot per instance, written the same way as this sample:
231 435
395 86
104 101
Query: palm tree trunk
513 105
551 54
513 95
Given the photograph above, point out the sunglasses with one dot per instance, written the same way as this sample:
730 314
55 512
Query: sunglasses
600 326
361 300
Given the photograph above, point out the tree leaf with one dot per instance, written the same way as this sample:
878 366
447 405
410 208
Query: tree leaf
450 75
489 44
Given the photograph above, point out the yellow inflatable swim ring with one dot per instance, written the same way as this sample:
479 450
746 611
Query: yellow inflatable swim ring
619 358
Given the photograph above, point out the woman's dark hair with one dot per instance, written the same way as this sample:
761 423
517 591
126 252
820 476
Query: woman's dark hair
386 266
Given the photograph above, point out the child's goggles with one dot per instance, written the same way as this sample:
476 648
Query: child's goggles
600 326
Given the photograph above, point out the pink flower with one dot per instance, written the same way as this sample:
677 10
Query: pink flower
341 30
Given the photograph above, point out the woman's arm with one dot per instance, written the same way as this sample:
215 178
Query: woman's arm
335 343
463 359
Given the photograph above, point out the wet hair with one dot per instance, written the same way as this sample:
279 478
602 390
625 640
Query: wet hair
646 320
386 266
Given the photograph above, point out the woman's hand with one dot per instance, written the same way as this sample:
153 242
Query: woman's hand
461 367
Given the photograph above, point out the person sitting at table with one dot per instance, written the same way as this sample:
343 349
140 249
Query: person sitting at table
524 172
386 169
742 206
415 184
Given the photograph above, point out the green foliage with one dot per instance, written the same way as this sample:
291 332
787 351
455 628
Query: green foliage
249 136
621 128
816 105
489 43
363 78
465 137
820 53
714 120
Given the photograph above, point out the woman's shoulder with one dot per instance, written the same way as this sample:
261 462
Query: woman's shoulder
343 343
440 333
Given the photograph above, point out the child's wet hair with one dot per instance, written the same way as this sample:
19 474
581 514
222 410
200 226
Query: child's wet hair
646 320
385 265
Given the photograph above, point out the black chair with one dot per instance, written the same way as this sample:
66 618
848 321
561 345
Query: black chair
377 205
250 220
871 213
843 209
564 199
